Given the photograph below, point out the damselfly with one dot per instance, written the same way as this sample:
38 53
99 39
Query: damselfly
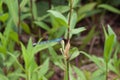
49 41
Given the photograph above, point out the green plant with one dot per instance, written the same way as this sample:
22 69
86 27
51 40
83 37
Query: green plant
57 28
115 62
70 31
59 60
105 63
34 18
109 8
110 41
31 69
7 44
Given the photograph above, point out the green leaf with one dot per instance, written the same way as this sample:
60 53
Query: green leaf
16 74
80 74
105 32
108 47
87 7
42 17
88 37
113 67
59 17
8 28
53 54
30 56
1 70
40 47
10 61
76 2
4 17
109 8
74 53
15 58
35 10
2 77
97 60
110 32
32 65
62 8
110 40
44 68
14 36
29 45
25 27
23 3
84 9
60 31
57 60
93 12
25 56
80 17
71 76
3 50
1 7
13 9
34 76
73 20
42 25
5 37
26 15
98 75
77 30
55 24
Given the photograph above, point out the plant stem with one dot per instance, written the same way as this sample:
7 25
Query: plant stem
27 78
19 17
71 1
66 70
106 73
102 21
31 11
68 42
49 3
28 75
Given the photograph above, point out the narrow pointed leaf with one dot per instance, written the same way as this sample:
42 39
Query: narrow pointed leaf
42 25
59 17
77 30
109 8
108 47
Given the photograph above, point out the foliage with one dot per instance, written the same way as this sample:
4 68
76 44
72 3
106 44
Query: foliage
105 64
20 58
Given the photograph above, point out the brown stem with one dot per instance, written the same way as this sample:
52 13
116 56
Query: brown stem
19 17
69 19
31 11
68 42
49 3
